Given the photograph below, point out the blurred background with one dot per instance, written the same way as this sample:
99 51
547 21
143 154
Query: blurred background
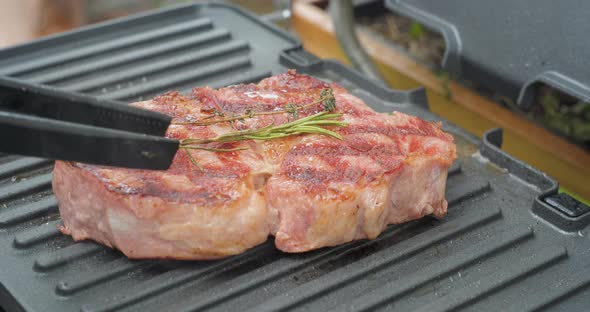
24 20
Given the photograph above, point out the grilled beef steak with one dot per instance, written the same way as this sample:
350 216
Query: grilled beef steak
309 191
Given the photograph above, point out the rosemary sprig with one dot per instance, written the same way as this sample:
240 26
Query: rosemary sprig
310 124
326 97
313 124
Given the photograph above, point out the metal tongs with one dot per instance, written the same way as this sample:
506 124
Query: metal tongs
45 122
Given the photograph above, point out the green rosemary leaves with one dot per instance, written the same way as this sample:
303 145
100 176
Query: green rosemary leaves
326 97
313 124
330 100
310 124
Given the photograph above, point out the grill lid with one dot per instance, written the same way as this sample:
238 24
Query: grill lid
492 248
511 46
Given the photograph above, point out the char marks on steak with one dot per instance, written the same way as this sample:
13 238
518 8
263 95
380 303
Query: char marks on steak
309 191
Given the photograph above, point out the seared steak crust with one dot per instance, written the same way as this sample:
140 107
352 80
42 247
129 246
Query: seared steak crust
308 191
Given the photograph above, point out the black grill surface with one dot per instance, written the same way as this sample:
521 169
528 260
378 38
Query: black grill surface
499 248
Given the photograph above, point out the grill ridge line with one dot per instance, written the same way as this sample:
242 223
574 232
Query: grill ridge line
390 291
131 56
110 270
154 66
61 256
511 274
80 284
474 191
284 269
323 257
173 278
204 71
104 46
376 261
23 188
28 211
21 164
549 296
37 234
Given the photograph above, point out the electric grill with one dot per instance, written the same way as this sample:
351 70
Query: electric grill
509 242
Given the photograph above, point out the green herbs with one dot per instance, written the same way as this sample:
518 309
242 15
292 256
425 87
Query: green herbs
326 97
314 124
416 31
310 124
572 120
329 100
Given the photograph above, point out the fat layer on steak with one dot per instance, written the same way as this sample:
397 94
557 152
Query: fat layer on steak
308 191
